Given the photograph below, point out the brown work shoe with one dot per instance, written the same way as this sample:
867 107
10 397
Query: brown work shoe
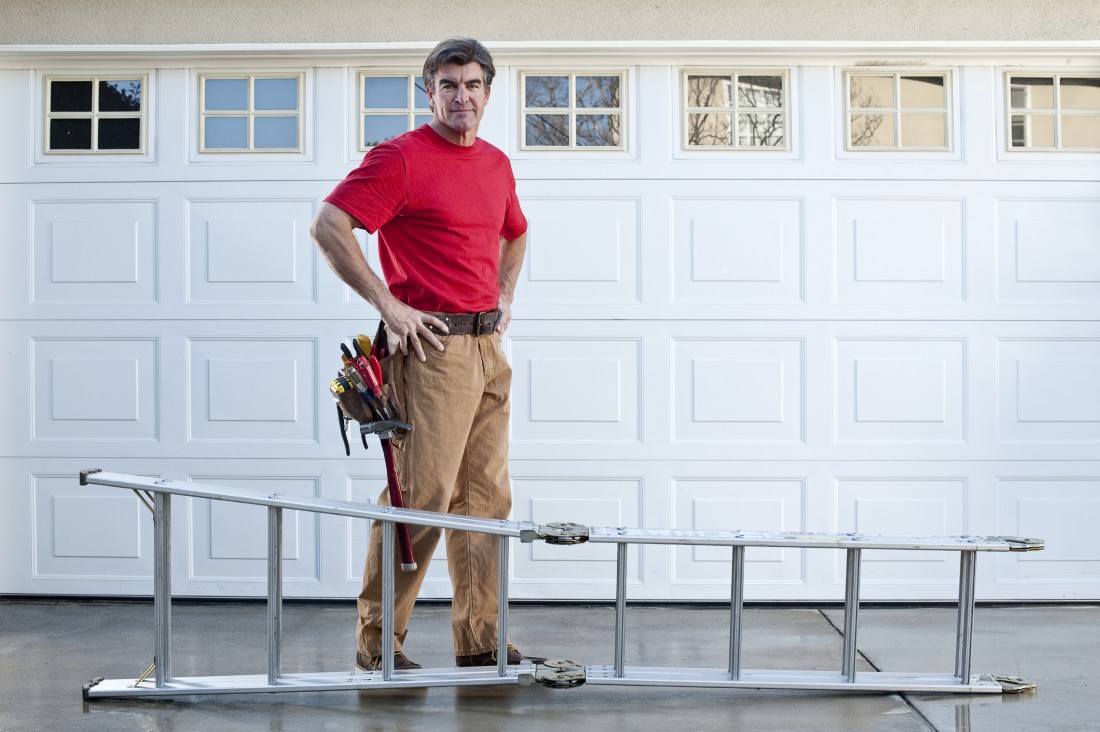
489 658
401 662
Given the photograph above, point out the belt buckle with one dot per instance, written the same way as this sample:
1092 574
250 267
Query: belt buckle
477 324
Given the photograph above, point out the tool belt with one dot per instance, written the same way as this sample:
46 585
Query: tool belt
475 324
358 392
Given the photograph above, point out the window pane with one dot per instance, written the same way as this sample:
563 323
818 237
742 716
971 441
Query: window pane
71 96
226 94
872 130
70 134
598 91
875 92
1029 93
709 91
420 95
1080 93
119 134
597 130
1032 130
923 130
710 130
276 94
760 130
385 92
422 119
548 130
381 127
922 92
120 96
760 91
546 91
275 132
226 132
1081 130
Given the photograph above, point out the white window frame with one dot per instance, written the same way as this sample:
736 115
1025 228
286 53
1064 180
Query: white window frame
95 115
949 110
734 110
1056 111
251 113
411 111
623 110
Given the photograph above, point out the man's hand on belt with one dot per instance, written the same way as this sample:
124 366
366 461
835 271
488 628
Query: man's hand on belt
405 326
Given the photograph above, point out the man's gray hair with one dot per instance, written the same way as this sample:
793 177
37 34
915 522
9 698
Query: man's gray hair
459 51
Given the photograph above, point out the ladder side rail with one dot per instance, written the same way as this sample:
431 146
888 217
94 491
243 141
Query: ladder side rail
162 588
352 509
274 594
798 540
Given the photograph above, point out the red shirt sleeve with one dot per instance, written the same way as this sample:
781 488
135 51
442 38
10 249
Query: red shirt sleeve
376 191
515 223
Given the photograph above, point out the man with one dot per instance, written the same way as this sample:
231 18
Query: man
451 238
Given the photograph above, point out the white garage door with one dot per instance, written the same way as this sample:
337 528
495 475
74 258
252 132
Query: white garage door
830 299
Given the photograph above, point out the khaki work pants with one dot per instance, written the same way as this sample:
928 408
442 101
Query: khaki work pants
454 460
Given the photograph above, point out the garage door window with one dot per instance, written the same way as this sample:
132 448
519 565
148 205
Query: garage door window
897 111
575 111
735 110
251 113
95 115
1054 112
390 105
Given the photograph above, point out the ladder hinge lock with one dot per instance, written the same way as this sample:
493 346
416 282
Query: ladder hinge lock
560 674
563 533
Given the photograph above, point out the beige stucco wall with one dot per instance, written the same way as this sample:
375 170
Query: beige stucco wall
367 21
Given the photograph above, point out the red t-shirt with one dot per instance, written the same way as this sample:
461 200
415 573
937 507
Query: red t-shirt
439 210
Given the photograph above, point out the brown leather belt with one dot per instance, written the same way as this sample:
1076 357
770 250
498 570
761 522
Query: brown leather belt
475 324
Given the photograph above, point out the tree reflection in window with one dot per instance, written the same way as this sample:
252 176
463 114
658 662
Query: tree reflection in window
750 105
572 111
897 111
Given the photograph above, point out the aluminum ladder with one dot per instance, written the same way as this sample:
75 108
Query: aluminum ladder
156 495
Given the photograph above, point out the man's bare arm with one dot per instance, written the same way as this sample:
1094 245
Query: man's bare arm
511 260
333 230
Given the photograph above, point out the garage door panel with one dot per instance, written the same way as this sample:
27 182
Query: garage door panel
737 250
738 390
892 390
91 252
96 389
889 251
582 250
1047 251
251 251
577 390
1048 390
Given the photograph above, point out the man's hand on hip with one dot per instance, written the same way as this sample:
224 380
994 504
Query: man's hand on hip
405 326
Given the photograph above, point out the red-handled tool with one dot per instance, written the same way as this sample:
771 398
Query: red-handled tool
366 374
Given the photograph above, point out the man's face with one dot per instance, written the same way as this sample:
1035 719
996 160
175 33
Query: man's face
458 97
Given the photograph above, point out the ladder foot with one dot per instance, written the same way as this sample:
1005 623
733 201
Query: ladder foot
88 686
1015 684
